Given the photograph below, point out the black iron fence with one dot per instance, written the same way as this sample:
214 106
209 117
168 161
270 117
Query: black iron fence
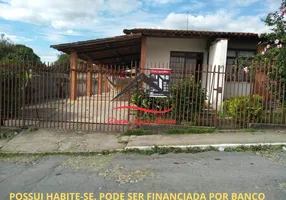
115 98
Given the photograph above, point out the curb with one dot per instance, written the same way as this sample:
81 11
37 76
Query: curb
204 146
63 152
142 148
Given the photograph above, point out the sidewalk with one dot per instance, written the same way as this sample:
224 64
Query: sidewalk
204 140
42 141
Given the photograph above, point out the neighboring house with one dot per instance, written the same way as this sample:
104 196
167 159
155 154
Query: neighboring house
170 48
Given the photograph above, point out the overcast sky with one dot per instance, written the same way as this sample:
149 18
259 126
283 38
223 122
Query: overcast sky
40 23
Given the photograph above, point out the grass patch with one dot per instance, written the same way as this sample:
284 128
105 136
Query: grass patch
165 150
249 130
191 131
8 133
138 132
20 158
153 150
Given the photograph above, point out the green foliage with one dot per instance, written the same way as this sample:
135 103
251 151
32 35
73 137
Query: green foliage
62 59
243 108
191 131
8 133
142 99
13 79
63 63
274 42
186 98
274 49
6 46
16 53
138 132
275 116
12 83
32 128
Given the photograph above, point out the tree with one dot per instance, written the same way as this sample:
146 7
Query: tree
273 42
63 59
6 46
16 53
14 78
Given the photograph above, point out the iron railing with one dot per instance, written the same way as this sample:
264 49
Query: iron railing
115 98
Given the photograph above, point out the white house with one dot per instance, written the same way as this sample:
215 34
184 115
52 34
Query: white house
206 51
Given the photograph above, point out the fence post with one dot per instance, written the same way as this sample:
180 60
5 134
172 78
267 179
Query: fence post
73 66
99 90
216 102
23 94
88 78
1 92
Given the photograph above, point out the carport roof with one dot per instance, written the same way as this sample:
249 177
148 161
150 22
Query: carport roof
112 50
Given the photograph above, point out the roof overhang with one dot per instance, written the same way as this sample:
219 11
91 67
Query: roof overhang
112 50
189 33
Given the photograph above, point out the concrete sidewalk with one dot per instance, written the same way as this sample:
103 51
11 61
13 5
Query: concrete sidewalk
42 141
202 140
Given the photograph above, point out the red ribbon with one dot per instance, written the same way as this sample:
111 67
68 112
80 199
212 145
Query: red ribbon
144 109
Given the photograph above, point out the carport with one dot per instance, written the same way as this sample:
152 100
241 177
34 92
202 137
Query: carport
113 51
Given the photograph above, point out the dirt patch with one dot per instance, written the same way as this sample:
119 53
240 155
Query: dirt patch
282 186
20 159
126 175
91 163
8 133
274 156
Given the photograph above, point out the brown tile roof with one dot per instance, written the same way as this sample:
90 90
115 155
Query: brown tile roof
106 50
101 42
186 33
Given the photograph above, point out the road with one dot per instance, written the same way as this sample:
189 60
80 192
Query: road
209 172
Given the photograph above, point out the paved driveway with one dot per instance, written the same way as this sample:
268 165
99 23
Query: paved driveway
209 172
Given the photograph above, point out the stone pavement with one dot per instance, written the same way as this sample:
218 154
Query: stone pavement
42 141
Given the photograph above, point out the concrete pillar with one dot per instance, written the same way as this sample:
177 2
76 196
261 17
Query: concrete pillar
73 81
89 78
217 59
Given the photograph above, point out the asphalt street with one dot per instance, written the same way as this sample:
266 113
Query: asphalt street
209 172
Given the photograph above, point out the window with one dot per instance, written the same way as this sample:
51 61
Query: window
183 64
234 70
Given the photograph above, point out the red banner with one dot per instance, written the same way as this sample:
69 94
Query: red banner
160 71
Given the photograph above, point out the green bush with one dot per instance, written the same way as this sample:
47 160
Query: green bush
138 132
243 108
191 131
11 92
186 98
142 99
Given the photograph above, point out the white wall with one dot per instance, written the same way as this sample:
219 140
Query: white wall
236 89
159 49
217 61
